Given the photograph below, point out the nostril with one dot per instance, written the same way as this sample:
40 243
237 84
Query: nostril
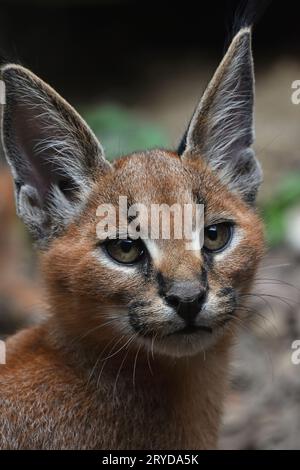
201 298
173 300
192 303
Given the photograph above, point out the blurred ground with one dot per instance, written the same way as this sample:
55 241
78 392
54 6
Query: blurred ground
263 407
20 295
262 410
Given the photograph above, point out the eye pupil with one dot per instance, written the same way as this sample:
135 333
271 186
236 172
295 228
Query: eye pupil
126 245
212 232
125 251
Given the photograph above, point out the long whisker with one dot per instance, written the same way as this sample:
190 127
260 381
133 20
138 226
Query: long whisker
104 362
275 281
284 300
99 358
152 345
148 361
134 366
95 328
274 266
252 317
241 322
120 349
265 301
122 363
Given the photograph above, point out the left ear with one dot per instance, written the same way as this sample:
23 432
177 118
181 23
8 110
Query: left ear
54 157
221 130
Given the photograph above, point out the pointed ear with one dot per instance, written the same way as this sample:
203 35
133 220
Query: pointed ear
53 155
221 130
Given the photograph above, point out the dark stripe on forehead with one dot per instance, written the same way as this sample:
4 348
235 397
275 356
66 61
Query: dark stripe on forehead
198 198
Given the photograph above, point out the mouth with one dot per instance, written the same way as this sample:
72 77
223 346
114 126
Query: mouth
190 329
184 341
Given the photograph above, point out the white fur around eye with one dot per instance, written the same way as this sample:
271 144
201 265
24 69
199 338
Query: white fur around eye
105 261
154 250
195 244
237 236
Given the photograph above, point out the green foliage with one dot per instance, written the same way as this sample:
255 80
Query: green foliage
122 132
286 196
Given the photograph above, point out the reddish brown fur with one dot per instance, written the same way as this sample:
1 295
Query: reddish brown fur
49 398
113 366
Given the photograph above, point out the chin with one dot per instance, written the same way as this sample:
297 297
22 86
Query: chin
185 345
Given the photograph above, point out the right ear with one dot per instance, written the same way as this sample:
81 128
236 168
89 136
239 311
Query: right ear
54 156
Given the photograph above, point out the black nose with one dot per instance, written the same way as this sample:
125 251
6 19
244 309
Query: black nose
187 307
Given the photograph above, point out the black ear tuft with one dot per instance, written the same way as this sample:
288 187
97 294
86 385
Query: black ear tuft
247 14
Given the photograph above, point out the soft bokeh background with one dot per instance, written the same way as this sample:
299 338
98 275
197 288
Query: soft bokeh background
135 70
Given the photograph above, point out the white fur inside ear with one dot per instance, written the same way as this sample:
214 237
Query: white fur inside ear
221 130
63 152
29 206
63 210
53 154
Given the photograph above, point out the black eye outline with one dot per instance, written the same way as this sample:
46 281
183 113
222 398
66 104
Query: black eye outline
230 227
140 258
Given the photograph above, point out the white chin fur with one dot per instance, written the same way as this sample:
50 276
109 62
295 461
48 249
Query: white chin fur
185 345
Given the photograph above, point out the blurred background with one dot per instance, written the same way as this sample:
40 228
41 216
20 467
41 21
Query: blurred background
135 71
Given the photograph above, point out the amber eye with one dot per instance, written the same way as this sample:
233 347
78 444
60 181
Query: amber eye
217 237
125 251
